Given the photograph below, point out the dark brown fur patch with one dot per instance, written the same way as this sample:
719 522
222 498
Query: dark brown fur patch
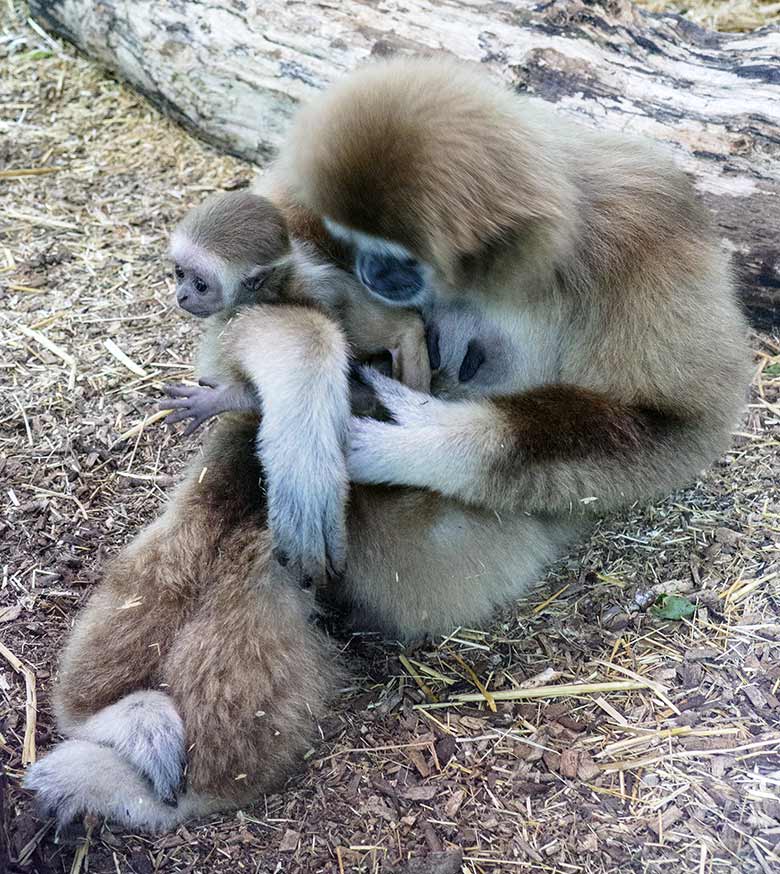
305 225
561 422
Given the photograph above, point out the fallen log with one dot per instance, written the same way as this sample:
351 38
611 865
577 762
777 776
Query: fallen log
234 70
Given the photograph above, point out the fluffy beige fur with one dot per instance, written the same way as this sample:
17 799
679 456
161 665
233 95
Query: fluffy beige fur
615 364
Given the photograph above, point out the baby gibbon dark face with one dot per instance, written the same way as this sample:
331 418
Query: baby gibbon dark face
198 292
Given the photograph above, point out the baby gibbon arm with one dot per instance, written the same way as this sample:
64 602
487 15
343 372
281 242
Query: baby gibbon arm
411 365
371 327
550 449
207 399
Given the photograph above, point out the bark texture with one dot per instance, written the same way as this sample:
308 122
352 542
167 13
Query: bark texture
233 71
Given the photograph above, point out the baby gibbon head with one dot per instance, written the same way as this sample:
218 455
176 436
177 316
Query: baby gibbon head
224 250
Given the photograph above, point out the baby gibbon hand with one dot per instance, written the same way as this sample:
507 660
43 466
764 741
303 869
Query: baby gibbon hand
205 401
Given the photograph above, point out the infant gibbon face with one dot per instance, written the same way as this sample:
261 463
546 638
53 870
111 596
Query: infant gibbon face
198 288
224 250
205 284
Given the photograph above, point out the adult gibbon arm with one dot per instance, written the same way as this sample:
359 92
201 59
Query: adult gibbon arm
549 449
296 360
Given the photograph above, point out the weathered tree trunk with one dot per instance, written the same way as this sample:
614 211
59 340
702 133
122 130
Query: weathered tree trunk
233 71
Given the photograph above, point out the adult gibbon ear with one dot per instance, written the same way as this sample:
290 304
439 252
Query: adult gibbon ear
257 276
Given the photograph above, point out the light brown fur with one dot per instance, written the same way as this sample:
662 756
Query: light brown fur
615 366
239 228
595 244
242 231
196 606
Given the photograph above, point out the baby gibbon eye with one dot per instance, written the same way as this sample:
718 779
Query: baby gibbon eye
178 272
200 286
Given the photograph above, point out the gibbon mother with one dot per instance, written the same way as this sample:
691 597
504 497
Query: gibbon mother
588 352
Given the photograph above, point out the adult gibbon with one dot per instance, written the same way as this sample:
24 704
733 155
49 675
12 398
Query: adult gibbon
588 352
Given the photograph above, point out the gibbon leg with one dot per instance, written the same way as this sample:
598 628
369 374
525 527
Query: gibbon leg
126 754
122 634
151 588
250 675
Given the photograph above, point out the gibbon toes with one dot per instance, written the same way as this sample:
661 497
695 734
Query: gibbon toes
310 570
125 763
146 730
79 777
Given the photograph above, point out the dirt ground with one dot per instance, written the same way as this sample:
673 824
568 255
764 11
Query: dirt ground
674 769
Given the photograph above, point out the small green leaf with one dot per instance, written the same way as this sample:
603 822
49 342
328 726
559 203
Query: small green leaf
673 607
38 55
772 370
